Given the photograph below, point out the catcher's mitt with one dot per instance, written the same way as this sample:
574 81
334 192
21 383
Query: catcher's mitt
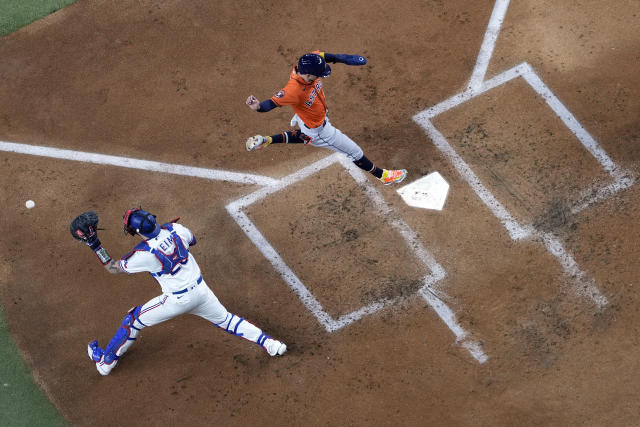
256 142
84 227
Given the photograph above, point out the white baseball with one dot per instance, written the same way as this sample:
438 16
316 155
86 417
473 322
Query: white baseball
30 204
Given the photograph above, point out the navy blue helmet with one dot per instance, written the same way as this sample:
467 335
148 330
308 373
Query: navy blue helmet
139 221
313 64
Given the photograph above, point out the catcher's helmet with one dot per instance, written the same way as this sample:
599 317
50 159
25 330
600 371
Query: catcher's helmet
139 221
313 64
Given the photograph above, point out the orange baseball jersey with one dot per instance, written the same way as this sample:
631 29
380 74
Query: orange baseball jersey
306 99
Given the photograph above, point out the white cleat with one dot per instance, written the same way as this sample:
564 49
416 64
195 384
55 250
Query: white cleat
105 368
275 347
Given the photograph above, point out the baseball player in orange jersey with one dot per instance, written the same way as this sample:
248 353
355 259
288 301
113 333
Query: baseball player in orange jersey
305 94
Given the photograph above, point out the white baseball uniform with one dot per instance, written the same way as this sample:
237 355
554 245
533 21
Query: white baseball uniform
169 261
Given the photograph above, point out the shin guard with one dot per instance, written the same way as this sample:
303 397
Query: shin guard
123 339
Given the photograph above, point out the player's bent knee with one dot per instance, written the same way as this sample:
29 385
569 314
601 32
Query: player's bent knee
125 335
133 319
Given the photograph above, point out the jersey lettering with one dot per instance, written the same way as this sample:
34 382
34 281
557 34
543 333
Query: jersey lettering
312 97
307 100
171 262
164 246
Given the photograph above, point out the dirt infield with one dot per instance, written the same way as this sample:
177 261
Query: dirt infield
537 243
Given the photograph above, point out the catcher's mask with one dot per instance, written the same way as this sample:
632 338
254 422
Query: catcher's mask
313 64
139 221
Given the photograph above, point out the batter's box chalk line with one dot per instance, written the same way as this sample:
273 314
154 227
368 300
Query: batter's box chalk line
427 291
582 284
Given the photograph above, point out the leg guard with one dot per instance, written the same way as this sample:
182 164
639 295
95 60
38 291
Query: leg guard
240 327
121 341
231 324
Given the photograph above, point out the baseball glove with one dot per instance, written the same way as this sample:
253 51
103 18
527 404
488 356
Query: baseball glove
256 142
84 227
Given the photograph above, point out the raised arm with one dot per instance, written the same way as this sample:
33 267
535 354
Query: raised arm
344 58
84 228
260 107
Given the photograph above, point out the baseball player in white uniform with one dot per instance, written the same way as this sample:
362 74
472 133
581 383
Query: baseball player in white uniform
165 254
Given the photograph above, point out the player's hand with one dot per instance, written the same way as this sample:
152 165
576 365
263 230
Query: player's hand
253 103
355 60
350 59
84 228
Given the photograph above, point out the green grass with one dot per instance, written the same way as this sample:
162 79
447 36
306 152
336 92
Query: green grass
22 403
15 14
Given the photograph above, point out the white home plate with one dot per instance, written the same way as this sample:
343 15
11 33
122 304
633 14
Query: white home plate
428 192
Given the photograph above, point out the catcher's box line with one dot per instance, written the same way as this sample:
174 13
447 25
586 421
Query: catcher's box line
131 163
427 291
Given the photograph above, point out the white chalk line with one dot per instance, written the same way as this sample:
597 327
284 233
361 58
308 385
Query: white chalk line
516 231
330 324
583 285
437 272
132 163
477 85
488 43
270 186
590 196
301 174
570 121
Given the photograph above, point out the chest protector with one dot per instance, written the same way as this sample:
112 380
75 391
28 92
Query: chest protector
169 262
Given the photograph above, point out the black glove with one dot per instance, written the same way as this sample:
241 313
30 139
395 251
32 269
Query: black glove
84 228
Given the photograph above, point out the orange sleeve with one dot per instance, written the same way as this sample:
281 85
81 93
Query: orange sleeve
288 95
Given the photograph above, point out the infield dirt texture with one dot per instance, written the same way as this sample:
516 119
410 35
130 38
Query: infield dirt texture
517 304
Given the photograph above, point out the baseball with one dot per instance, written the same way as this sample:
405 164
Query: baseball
29 204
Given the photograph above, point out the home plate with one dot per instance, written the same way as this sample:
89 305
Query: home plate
428 192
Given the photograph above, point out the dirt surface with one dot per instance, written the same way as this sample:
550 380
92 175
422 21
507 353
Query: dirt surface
166 81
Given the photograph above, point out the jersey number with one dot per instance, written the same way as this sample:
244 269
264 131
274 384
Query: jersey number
183 262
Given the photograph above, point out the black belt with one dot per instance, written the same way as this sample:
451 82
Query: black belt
321 126
182 291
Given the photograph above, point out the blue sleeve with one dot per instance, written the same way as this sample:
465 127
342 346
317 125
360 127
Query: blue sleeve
266 105
345 59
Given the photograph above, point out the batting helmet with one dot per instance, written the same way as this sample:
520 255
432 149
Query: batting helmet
139 221
313 64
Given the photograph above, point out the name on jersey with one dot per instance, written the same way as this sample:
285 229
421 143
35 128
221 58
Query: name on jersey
314 93
166 244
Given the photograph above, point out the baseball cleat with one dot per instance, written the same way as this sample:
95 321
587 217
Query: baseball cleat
257 142
393 176
95 352
105 368
274 347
